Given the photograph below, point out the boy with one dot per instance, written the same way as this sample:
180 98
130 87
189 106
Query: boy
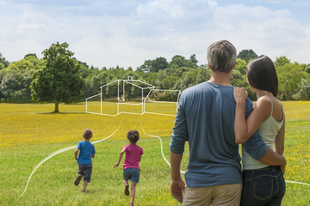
87 152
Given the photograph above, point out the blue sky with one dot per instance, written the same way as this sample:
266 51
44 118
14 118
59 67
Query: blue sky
125 33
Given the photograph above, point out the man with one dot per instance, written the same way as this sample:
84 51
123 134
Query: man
205 118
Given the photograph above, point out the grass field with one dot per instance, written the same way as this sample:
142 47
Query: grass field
29 133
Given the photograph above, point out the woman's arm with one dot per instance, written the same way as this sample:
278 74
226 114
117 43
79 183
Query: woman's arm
244 129
279 141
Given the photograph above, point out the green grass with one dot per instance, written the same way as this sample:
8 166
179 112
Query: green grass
52 183
29 133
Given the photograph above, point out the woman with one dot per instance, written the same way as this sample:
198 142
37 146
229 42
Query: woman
262 184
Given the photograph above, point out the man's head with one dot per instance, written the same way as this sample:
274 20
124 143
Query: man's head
222 56
87 134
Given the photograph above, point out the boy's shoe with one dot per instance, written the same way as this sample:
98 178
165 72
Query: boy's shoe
78 179
127 190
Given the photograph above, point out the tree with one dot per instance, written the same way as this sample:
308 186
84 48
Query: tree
30 55
160 63
193 59
58 78
304 92
180 61
3 61
30 62
290 76
281 61
168 82
247 55
241 66
15 86
203 75
1 66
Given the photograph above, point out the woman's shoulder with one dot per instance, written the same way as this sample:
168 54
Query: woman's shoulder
263 101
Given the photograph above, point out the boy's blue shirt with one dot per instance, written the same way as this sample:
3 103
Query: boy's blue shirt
87 149
205 118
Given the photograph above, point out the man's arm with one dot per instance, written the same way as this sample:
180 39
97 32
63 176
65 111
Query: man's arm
272 158
177 184
178 139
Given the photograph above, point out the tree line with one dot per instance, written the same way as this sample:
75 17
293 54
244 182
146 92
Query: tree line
59 77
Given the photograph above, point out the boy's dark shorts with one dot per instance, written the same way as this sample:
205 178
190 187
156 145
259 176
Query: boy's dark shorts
131 174
85 170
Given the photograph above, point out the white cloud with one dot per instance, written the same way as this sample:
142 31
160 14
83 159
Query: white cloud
127 33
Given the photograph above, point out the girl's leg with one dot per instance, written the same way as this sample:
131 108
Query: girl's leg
125 181
133 191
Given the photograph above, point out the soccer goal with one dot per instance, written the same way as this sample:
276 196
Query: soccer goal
162 102
132 97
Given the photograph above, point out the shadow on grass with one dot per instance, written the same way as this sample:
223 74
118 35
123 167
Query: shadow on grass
61 113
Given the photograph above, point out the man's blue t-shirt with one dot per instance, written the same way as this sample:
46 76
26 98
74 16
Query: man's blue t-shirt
205 118
87 149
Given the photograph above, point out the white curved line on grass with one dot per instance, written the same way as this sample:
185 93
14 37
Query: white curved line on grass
300 183
58 152
161 143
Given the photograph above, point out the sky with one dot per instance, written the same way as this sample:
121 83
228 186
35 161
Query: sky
127 32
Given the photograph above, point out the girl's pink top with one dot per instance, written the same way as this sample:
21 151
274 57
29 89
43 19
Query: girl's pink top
133 154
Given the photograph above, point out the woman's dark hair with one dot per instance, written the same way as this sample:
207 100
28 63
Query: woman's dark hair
261 74
133 136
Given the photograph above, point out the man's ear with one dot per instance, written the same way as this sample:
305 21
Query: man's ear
234 65
209 66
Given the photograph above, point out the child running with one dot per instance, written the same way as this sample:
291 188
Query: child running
131 164
87 152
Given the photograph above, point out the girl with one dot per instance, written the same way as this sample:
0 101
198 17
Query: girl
262 184
131 164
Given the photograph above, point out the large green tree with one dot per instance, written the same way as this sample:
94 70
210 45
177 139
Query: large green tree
247 55
58 78
290 76
160 63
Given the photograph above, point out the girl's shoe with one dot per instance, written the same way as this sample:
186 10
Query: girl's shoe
127 190
131 204
84 191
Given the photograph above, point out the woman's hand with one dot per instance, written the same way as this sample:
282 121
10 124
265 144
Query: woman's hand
240 94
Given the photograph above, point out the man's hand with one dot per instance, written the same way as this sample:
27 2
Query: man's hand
177 189
240 94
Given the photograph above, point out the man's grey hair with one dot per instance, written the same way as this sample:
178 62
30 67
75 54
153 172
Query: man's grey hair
222 56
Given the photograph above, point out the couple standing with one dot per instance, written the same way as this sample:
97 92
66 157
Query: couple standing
214 118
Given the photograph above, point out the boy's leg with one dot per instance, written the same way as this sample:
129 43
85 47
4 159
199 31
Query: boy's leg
133 191
84 186
87 175
80 174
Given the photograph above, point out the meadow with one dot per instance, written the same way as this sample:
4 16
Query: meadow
29 133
